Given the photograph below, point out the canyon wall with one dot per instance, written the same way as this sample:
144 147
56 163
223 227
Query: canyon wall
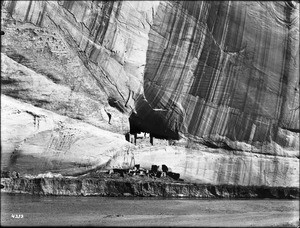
93 54
224 71
82 64
224 75
222 167
35 140
217 75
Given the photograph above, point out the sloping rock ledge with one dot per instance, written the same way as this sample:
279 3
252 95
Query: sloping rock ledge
137 186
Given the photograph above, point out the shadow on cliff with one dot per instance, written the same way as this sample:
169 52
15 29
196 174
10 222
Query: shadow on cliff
145 119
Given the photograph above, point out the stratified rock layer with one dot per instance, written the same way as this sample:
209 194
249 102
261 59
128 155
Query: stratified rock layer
96 51
223 71
226 75
82 64
223 74
138 187
36 140
219 167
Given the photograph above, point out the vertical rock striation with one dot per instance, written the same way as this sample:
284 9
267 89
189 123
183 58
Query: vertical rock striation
96 49
220 74
82 60
223 73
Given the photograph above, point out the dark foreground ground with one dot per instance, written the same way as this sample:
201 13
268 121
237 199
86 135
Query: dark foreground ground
34 210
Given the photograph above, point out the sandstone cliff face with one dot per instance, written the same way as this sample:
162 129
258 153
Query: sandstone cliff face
222 74
81 60
94 51
219 166
226 75
224 71
36 140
